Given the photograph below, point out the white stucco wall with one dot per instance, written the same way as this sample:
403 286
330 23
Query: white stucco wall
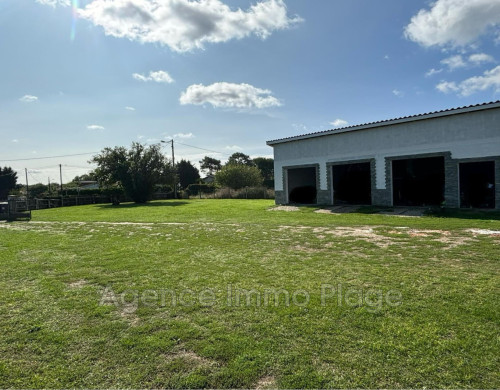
468 135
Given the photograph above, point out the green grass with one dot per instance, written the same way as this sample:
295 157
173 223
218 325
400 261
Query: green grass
57 331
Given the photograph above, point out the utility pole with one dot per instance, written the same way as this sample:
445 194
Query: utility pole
27 189
173 166
49 184
60 177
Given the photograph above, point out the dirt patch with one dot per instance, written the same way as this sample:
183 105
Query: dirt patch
485 232
267 382
190 357
443 236
324 211
362 232
378 235
338 210
78 284
127 312
284 208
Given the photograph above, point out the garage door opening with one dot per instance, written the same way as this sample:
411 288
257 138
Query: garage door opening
418 182
477 185
302 185
352 184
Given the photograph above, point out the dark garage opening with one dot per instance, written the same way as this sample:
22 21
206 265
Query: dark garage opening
477 184
418 182
302 185
352 184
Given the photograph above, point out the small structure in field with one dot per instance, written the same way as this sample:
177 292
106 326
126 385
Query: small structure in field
14 210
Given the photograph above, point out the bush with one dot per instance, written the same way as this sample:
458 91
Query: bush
245 193
163 188
195 189
254 193
75 192
239 176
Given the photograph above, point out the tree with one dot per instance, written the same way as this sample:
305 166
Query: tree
38 190
85 177
239 158
187 173
8 180
210 165
266 167
238 176
137 169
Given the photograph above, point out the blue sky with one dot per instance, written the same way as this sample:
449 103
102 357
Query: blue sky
227 75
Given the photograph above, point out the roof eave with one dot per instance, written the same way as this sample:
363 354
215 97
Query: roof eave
389 122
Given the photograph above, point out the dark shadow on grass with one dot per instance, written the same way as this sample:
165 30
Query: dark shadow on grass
438 212
171 203
466 214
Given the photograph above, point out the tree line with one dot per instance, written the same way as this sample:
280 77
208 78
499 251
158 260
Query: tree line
139 171
140 168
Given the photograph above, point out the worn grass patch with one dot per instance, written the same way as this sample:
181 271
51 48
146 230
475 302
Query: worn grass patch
224 294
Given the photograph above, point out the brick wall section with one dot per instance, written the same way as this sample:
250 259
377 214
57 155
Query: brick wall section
451 186
280 197
324 197
382 197
497 183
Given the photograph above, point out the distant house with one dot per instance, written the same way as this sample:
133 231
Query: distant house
210 179
449 157
88 185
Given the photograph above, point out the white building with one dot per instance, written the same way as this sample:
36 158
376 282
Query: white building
449 157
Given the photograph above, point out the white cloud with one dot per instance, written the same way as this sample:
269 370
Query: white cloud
454 22
159 76
233 147
228 95
339 123
397 93
447 87
15 141
128 108
95 127
28 99
432 72
480 58
454 62
489 79
184 25
53 3
457 61
184 135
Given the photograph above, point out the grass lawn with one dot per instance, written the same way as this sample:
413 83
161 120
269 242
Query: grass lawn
154 297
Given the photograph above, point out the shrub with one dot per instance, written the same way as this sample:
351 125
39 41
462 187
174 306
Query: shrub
195 189
239 176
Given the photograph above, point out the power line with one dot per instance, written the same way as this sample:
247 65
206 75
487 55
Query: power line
207 150
34 178
43 158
